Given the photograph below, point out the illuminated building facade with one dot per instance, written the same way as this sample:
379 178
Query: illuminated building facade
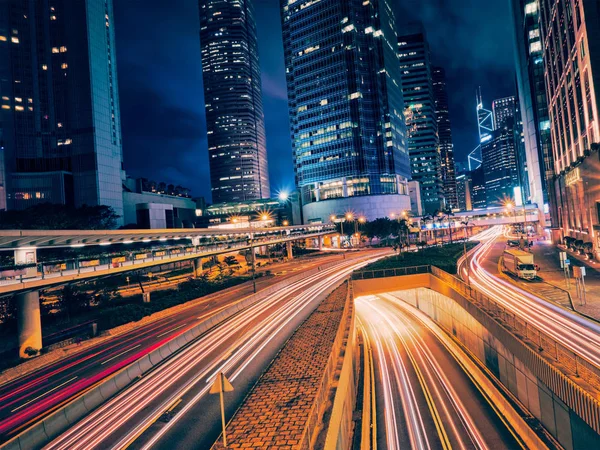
346 108
571 54
534 107
232 95
60 103
419 99
442 115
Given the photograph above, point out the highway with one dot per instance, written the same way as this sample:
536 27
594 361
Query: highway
31 397
240 347
424 398
574 332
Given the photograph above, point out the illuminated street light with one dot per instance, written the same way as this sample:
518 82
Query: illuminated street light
349 216
362 219
283 196
285 223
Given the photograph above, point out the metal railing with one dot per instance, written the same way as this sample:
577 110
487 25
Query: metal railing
384 273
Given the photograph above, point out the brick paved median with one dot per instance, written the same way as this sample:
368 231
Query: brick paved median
276 413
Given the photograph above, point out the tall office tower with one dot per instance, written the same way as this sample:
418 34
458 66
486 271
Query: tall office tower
503 108
569 32
346 108
464 191
499 156
522 193
60 103
442 115
478 187
424 145
534 108
232 95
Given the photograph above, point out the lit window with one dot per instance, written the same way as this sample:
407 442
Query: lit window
3 38
355 95
323 102
52 17
14 40
4 97
19 108
55 50
44 67
347 28
18 99
63 49
64 65
5 107
535 47
531 8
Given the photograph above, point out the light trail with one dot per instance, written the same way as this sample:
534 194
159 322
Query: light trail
120 420
574 332
435 414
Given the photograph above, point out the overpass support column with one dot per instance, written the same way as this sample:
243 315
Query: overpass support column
29 322
320 242
288 246
197 267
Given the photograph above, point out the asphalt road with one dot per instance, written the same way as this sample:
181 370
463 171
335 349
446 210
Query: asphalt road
241 347
424 398
29 398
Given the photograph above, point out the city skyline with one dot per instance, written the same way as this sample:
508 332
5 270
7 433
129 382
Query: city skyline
174 85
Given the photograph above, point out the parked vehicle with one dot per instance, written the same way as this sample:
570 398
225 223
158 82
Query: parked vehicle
520 264
512 243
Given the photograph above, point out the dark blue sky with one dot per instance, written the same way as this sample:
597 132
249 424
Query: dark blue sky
160 80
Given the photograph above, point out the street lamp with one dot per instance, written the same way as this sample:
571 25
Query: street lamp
285 223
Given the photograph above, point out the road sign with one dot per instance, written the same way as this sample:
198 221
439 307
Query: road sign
567 262
221 384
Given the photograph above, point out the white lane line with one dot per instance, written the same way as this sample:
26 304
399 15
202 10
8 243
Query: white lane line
40 396
172 329
122 353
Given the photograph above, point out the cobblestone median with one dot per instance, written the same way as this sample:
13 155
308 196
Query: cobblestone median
276 413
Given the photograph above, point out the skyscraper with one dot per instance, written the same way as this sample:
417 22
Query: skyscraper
442 115
232 95
569 39
498 155
346 108
534 105
421 122
60 103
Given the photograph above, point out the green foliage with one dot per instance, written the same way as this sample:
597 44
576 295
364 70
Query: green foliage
47 216
444 257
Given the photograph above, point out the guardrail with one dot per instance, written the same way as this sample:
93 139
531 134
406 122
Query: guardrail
384 273
59 421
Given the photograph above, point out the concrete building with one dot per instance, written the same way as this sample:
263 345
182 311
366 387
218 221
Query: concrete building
416 203
151 210
442 114
263 212
233 102
421 122
534 108
60 103
346 110
569 39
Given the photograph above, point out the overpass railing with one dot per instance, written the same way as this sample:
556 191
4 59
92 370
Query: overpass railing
384 273
115 260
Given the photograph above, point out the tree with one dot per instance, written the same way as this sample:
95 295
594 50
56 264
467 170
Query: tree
231 261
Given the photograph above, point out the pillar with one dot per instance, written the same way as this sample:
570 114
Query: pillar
196 267
320 242
290 254
29 322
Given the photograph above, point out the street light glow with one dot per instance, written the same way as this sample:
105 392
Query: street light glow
283 196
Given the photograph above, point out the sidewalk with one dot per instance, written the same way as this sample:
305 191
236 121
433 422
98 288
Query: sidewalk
547 257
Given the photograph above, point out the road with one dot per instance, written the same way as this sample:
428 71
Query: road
240 347
425 400
31 397
574 332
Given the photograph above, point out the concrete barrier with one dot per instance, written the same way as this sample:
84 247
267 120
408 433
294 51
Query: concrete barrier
58 422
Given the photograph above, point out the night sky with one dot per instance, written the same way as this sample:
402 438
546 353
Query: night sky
160 80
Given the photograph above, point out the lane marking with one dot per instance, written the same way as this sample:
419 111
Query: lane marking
172 329
122 353
40 396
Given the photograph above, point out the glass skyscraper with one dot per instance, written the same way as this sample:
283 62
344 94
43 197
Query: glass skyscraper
442 115
60 103
534 105
424 144
346 107
232 95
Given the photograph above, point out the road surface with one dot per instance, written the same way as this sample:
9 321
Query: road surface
240 347
31 397
574 332
424 398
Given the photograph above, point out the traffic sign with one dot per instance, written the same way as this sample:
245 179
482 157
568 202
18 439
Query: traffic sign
567 262
221 384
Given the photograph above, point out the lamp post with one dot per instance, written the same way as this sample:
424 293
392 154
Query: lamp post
466 225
